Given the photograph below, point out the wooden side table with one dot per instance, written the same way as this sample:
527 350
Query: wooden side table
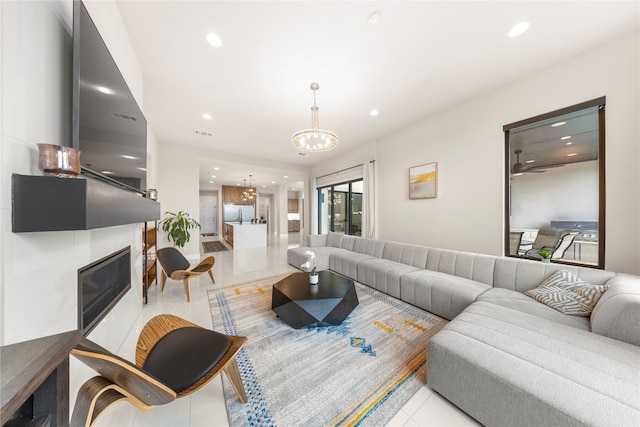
34 379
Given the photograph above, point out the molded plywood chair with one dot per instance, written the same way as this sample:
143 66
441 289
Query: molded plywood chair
174 358
176 266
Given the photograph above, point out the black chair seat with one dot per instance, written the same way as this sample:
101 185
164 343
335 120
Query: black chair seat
185 355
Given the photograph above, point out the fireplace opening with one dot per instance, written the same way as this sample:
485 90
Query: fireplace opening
101 285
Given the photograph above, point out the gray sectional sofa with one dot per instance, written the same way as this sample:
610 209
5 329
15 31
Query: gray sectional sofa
505 358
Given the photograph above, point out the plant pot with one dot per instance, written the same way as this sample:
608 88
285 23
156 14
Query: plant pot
313 279
546 260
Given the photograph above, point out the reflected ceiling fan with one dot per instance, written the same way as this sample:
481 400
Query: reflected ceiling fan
519 168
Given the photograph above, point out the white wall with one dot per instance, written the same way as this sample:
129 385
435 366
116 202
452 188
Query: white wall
468 143
570 193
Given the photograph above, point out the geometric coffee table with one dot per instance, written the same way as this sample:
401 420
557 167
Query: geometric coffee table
299 307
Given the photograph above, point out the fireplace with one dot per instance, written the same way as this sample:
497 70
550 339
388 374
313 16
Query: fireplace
101 285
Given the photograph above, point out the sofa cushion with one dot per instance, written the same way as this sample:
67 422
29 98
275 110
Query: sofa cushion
348 242
413 255
383 274
522 274
507 368
439 293
514 300
346 262
567 293
617 314
296 257
474 267
371 247
334 239
313 240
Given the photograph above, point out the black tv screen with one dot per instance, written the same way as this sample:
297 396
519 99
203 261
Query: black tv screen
108 126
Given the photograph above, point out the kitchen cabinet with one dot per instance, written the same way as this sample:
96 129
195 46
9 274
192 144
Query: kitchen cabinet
231 194
228 233
292 206
294 225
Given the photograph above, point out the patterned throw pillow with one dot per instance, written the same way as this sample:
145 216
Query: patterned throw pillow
565 292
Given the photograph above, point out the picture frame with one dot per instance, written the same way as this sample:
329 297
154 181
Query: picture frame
423 181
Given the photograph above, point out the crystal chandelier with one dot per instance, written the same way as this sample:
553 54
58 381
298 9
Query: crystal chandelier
314 139
249 193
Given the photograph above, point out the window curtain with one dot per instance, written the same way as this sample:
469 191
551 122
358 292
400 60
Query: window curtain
314 207
368 200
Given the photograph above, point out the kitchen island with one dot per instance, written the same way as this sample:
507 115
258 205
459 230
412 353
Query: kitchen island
245 235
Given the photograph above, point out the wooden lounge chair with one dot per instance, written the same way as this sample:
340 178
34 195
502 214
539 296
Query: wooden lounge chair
177 267
174 358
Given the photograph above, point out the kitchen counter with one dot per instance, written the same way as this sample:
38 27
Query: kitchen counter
246 235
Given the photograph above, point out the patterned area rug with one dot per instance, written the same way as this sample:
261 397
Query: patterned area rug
215 246
358 373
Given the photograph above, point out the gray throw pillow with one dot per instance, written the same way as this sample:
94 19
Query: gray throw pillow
334 239
565 292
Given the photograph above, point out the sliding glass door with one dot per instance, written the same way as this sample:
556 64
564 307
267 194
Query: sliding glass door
340 208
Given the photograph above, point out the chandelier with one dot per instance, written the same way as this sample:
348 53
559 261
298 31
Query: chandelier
314 139
249 193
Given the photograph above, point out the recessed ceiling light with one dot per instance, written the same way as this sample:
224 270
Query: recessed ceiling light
142 169
216 168
572 154
565 137
555 125
569 143
530 161
374 19
286 176
107 172
213 176
214 40
104 90
273 182
207 116
373 113
519 29
210 182
129 157
237 183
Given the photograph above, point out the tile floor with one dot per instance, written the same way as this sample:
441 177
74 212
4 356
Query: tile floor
206 407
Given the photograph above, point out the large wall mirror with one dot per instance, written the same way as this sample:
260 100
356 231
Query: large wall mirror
555 186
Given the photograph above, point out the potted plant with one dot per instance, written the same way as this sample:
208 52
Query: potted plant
310 267
177 226
545 254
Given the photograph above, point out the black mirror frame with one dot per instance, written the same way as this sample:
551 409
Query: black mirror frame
600 103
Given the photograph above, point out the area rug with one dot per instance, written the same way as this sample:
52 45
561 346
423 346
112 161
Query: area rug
215 246
358 373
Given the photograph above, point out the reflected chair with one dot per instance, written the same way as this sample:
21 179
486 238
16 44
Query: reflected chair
174 358
176 266
556 240
515 240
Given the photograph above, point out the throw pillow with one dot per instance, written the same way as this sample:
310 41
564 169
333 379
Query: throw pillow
565 292
334 239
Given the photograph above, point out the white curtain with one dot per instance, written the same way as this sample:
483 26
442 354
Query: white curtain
368 200
314 207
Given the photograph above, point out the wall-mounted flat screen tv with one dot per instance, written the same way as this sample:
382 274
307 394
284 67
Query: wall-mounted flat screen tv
108 126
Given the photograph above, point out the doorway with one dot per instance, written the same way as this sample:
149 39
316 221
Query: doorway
208 213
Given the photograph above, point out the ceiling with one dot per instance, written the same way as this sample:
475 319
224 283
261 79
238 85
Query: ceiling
555 142
422 57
